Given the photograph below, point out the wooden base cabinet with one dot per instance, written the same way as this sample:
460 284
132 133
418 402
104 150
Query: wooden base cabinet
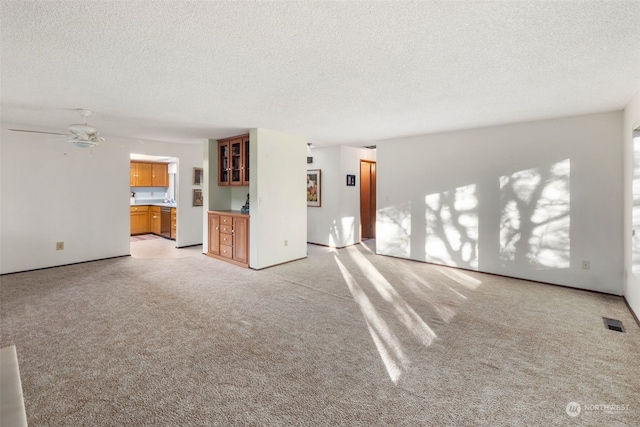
229 237
173 223
140 220
155 220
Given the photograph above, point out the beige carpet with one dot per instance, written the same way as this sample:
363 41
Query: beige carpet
160 248
340 338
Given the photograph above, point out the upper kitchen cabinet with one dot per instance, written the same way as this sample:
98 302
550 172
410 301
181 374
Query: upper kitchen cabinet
140 174
159 175
233 160
145 174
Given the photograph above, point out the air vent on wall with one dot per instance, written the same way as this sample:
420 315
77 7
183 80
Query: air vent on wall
370 147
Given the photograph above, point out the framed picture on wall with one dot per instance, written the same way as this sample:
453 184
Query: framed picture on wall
197 197
197 176
314 187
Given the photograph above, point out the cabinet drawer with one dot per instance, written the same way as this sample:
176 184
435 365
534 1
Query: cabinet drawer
225 220
225 228
226 251
226 239
139 208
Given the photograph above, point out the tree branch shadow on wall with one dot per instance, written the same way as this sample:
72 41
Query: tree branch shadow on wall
535 218
534 215
394 223
452 227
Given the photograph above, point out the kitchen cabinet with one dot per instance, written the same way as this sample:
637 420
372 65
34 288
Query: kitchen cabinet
155 220
140 174
174 217
139 220
233 160
145 174
241 239
159 175
228 233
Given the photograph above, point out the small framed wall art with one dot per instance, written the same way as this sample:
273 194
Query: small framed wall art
197 176
197 197
314 187
351 180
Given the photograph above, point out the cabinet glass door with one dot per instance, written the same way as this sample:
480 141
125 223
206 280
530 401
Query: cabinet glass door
223 160
245 155
236 157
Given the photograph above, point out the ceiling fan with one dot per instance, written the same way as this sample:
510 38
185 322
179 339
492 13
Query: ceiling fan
82 135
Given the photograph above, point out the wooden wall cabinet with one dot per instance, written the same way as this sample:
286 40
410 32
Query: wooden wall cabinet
233 160
140 174
229 237
159 175
145 174
139 220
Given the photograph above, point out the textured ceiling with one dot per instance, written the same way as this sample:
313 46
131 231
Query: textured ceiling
335 72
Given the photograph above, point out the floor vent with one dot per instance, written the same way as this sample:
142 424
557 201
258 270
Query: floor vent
613 324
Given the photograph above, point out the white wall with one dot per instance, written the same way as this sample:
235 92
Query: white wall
52 191
530 200
336 222
632 204
322 221
277 198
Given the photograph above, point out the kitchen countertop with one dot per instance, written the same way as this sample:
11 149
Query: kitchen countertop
230 211
152 203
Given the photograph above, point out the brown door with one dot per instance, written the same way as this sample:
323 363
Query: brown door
367 199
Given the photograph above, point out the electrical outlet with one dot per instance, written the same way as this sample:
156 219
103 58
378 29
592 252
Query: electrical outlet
286 242
586 265
59 246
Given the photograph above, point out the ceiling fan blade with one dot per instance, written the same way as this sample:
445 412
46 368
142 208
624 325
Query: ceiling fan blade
37 131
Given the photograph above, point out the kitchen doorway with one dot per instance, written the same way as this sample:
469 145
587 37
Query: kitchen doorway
367 199
153 206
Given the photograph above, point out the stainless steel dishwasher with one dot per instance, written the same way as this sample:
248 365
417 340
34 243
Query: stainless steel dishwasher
165 222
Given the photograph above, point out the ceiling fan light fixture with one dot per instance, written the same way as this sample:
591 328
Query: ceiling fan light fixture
83 143
83 130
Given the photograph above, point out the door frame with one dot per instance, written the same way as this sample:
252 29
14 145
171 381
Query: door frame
372 199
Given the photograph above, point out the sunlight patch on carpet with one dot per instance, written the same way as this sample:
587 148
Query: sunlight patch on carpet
385 340
403 311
